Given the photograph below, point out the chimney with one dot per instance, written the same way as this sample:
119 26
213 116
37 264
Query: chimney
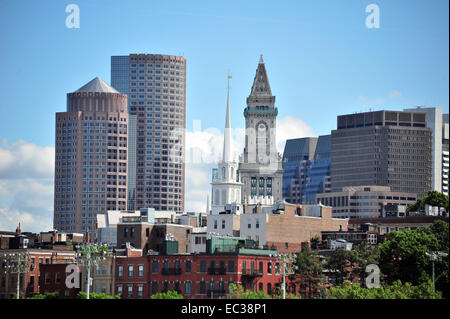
18 230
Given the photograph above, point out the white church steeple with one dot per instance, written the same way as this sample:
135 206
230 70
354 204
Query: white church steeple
226 189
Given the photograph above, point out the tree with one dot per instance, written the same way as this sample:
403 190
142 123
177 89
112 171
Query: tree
397 290
170 294
437 199
308 273
341 264
402 256
93 295
49 295
238 292
433 198
365 254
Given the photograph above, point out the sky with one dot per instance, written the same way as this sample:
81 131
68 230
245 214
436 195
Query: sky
321 59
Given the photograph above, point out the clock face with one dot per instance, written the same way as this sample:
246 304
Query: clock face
261 127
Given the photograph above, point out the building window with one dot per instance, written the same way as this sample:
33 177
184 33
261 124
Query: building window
130 271
120 271
104 270
155 267
140 291
269 267
269 288
165 286
230 266
141 271
223 223
215 224
249 224
154 287
119 290
257 223
130 291
188 288
188 266
203 266
202 287
244 267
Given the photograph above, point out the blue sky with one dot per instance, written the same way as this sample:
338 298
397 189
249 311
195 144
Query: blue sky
321 60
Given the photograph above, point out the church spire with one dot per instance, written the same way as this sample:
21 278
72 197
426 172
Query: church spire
227 136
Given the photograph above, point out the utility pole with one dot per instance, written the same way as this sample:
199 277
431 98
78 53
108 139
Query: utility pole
434 256
287 261
16 263
88 255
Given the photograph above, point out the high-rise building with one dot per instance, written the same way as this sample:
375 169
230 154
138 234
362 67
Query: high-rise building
382 148
297 157
226 187
156 88
445 154
306 165
90 157
436 121
260 167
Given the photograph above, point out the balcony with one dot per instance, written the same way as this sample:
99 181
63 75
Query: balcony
216 293
171 271
252 273
217 271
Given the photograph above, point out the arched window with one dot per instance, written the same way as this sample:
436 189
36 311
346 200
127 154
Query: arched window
223 172
224 196
232 173
217 197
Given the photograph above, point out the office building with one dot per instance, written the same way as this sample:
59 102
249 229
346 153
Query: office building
90 157
306 165
438 122
156 88
367 202
383 148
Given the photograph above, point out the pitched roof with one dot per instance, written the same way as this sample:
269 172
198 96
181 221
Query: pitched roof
261 86
97 85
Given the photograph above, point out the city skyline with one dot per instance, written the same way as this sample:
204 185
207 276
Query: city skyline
386 85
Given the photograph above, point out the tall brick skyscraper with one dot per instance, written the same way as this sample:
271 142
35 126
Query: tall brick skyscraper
91 157
156 88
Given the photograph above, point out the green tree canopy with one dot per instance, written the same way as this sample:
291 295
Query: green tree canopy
396 290
170 294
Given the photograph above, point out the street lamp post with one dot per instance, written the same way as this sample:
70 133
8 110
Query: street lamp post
435 255
88 255
16 263
288 268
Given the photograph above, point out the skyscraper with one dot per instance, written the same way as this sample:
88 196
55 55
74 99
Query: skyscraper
436 121
156 88
306 165
260 167
382 148
90 157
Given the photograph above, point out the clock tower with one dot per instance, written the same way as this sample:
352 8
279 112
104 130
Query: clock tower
260 167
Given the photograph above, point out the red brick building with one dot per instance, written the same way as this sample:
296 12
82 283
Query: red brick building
53 279
29 283
197 276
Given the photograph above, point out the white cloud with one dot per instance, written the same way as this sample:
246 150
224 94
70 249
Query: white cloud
26 186
395 94
204 149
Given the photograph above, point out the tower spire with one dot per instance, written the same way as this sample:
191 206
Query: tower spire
227 135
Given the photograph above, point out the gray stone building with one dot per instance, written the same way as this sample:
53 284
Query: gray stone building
384 148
